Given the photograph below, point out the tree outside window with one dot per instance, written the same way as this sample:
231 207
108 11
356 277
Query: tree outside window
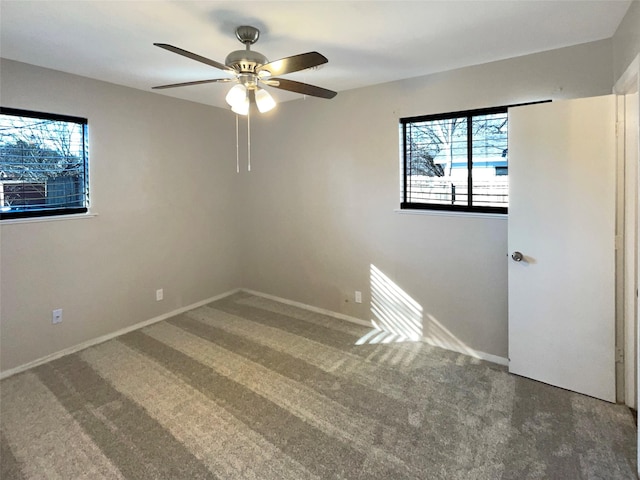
43 164
456 161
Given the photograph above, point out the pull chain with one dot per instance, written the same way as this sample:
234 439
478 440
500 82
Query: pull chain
248 145
237 148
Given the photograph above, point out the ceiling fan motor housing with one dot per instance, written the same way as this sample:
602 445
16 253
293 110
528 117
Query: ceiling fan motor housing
245 61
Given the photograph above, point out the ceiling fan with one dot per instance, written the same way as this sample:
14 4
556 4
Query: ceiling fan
251 70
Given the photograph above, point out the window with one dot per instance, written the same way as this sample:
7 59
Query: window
456 161
43 164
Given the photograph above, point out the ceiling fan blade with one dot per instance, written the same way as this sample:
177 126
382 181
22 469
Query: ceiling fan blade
196 57
303 88
197 82
293 64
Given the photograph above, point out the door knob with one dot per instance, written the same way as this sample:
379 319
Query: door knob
517 256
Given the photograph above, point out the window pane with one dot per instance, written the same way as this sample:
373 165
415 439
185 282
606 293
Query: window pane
456 161
42 165
489 160
437 162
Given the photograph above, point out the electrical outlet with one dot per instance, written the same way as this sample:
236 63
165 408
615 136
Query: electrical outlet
56 316
159 295
358 297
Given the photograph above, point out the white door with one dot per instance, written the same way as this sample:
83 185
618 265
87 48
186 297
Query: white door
562 165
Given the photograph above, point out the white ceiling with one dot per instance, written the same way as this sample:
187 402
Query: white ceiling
366 42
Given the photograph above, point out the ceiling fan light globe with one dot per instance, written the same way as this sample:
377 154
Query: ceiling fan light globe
264 100
241 108
237 95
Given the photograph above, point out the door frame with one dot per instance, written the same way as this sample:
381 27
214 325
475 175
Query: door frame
628 343
629 82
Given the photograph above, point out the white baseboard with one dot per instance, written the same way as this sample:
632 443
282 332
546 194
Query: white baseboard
445 345
310 308
109 336
488 357
76 348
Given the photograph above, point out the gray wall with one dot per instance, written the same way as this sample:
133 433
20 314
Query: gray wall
309 223
626 41
162 186
319 205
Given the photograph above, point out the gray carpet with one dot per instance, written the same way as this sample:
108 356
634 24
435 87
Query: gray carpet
248 388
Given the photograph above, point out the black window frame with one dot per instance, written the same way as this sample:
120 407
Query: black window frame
469 114
55 211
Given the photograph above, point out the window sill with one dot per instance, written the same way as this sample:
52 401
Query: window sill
52 218
448 213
